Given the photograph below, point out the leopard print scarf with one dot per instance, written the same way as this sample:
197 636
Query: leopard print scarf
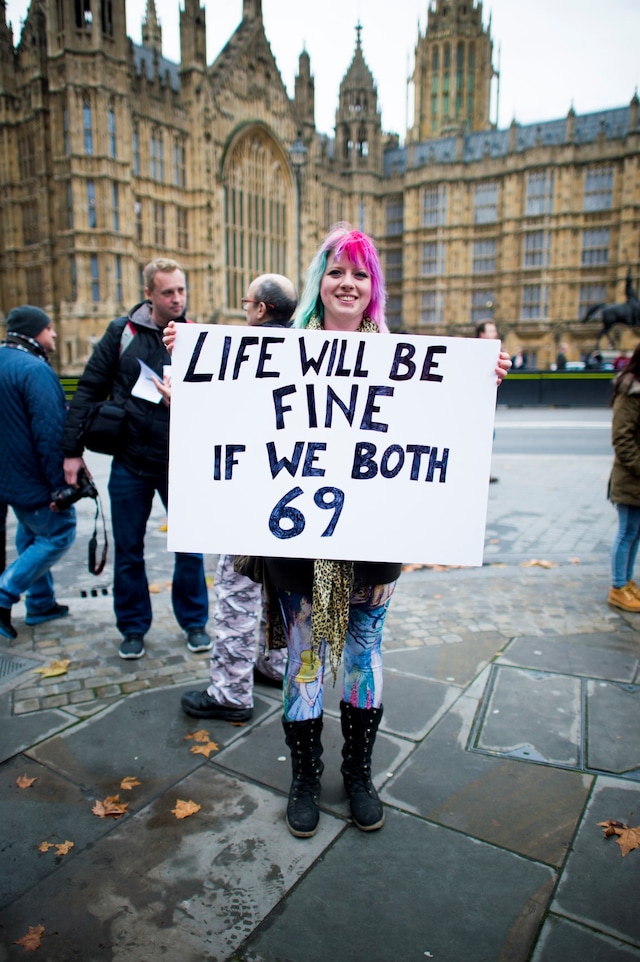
332 580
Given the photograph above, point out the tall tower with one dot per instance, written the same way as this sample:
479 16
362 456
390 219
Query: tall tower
453 72
151 29
305 97
358 120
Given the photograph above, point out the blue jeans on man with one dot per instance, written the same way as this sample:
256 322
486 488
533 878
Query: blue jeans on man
42 537
131 501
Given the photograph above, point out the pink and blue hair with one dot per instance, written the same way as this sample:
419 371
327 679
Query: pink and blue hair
360 250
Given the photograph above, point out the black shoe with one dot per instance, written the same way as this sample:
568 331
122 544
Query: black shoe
131 646
198 640
259 678
6 628
199 704
55 611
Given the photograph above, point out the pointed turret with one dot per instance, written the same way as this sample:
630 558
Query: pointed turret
358 121
193 37
7 54
305 97
251 9
151 29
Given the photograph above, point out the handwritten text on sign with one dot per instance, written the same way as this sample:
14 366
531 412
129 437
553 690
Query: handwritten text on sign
328 445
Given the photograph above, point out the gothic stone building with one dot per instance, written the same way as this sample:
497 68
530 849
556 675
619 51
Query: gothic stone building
110 155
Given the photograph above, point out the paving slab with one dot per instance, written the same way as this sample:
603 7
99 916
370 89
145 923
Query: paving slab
412 891
18 732
158 887
529 809
451 658
611 655
599 886
145 736
613 727
532 714
563 941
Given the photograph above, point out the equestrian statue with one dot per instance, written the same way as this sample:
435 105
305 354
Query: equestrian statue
612 314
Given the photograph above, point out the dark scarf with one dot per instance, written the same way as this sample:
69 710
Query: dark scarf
22 342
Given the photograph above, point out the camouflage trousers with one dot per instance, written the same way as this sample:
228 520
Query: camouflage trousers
239 639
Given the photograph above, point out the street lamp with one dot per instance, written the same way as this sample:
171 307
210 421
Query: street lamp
298 154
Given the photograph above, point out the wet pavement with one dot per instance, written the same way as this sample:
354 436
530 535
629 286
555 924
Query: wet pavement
510 729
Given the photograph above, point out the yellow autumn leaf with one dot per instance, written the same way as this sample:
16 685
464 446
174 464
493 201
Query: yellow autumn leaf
32 939
185 809
538 563
53 669
204 749
129 782
155 589
202 735
23 782
45 846
110 806
63 848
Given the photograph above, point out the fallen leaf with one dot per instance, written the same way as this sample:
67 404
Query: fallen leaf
155 589
202 735
32 939
574 561
64 848
129 782
204 749
163 527
24 782
45 846
110 806
54 669
537 563
628 838
185 809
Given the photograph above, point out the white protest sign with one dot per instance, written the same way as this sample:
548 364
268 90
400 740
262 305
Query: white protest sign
317 444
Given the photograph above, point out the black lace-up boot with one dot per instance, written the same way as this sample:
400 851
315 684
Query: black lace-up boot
303 740
359 727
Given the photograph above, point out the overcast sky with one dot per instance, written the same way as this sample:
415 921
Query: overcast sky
582 52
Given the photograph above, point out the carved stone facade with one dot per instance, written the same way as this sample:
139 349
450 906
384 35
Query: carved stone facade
111 155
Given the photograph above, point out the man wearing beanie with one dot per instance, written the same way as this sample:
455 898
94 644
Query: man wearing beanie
34 411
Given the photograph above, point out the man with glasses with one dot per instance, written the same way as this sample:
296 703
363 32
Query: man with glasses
235 661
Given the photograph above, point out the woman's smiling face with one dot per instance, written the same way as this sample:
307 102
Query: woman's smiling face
345 292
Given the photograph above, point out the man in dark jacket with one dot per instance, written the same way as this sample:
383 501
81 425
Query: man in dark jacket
140 466
33 414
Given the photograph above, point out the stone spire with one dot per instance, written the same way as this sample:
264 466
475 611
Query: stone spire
151 29
358 121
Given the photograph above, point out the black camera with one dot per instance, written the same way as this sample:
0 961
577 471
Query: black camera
63 498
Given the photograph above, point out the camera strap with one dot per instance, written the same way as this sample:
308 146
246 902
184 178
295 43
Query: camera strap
97 569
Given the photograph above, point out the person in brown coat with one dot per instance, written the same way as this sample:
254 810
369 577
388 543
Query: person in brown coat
624 485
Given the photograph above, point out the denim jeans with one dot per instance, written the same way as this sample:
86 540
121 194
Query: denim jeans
42 537
625 545
131 500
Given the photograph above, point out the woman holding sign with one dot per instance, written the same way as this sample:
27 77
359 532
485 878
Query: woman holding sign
336 606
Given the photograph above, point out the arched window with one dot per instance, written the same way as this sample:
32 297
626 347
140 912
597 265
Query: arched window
257 189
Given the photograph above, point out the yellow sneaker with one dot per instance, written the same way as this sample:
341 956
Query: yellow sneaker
624 598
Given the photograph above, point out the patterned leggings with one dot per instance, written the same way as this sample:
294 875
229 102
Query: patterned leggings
362 657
